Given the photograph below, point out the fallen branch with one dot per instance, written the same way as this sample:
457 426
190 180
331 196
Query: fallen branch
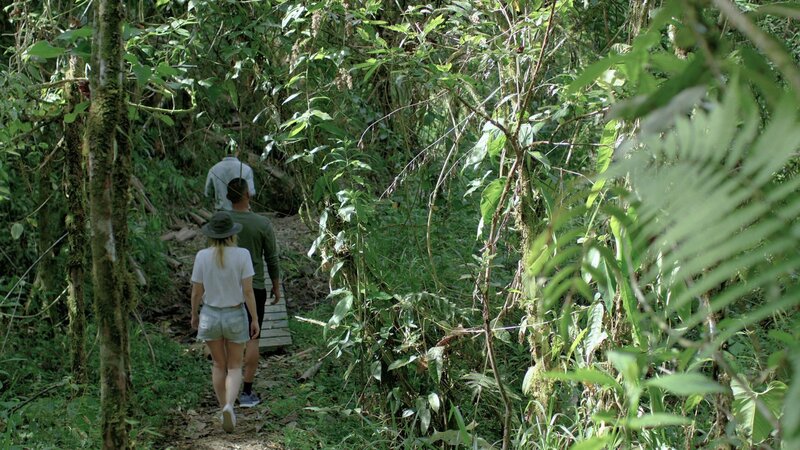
137 270
204 214
172 262
185 234
142 194
310 372
196 218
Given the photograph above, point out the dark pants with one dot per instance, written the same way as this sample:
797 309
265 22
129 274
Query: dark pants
261 301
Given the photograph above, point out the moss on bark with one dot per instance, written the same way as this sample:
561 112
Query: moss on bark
76 224
110 299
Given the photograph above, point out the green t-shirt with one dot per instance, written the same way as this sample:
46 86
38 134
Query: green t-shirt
258 237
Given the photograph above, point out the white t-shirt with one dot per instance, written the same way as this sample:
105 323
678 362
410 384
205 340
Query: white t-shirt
221 174
222 285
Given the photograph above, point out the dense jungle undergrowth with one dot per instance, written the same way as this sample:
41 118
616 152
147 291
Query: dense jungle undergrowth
523 224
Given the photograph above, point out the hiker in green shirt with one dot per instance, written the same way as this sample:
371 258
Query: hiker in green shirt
258 237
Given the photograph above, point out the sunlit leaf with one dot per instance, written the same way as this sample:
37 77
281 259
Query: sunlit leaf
44 49
685 384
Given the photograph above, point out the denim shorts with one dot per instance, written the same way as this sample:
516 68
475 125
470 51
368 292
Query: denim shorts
228 323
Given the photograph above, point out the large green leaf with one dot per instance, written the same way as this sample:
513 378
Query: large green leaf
604 153
44 49
685 384
754 421
791 413
587 376
490 198
593 443
343 306
596 334
656 420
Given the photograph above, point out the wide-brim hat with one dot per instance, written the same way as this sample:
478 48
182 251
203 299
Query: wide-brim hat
221 226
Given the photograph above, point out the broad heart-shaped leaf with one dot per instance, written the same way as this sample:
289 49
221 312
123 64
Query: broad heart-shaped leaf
44 49
686 384
490 198
750 416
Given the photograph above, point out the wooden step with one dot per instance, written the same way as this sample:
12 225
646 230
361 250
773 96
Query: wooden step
275 326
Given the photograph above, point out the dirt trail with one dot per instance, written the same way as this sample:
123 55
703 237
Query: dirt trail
201 428
256 428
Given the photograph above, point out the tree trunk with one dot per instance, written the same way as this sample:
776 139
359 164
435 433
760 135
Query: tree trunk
108 264
76 224
638 16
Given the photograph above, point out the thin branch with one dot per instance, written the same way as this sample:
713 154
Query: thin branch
44 310
57 83
421 102
483 114
146 337
168 111
524 105
489 252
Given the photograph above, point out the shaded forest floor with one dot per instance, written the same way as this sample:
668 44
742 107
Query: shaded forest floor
280 421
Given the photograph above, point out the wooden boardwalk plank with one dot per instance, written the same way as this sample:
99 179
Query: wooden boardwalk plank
274 342
275 332
275 326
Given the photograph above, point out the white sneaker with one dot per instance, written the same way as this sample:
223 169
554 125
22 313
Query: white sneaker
228 419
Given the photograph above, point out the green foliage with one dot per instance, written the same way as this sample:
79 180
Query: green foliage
460 162
43 408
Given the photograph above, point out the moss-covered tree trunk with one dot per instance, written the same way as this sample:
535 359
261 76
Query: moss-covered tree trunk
110 285
76 224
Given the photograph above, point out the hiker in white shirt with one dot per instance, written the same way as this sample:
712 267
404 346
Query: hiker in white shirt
222 280
221 174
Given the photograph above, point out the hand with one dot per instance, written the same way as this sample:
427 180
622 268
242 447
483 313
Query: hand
276 294
195 321
254 329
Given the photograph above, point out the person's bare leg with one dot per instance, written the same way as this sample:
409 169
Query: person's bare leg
219 368
250 360
234 379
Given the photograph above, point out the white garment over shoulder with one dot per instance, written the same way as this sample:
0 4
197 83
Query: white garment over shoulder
222 285
221 174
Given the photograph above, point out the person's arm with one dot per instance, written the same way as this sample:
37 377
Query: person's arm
250 301
251 183
197 295
270 249
209 182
